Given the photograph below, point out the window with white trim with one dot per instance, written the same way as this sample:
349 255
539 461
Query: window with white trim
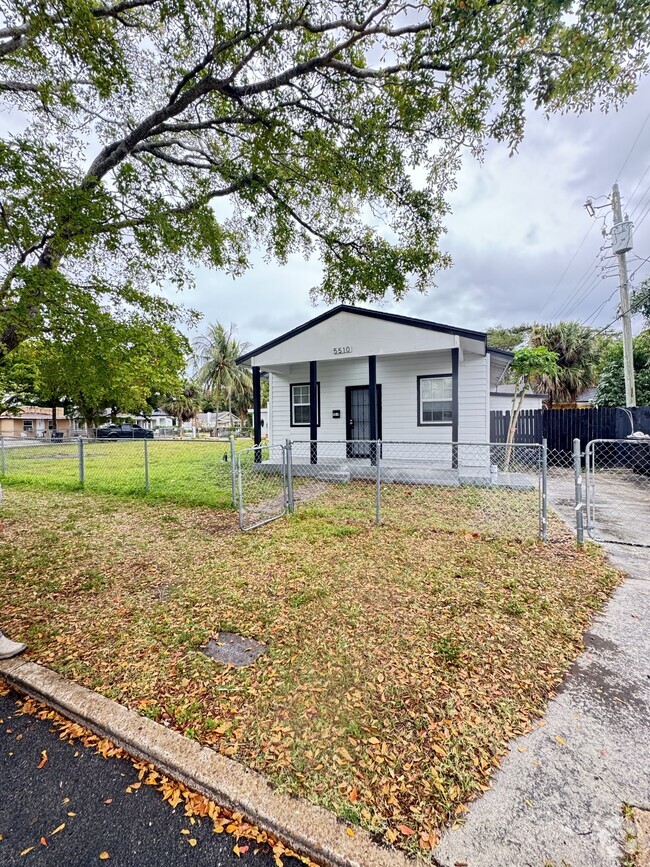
435 398
28 424
300 404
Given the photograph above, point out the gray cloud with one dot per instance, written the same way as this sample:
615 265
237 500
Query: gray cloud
515 225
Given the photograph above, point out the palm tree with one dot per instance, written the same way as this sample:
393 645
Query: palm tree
183 405
216 353
577 353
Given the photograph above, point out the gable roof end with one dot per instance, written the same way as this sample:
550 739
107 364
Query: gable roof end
372 314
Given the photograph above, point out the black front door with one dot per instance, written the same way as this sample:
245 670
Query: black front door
357 413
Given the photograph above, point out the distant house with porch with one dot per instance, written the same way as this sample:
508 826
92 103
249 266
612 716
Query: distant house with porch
354 375
34 422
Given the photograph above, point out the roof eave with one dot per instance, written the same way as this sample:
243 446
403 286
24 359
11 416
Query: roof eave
373 314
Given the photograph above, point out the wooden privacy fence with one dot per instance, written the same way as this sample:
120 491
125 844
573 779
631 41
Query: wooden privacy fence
561 426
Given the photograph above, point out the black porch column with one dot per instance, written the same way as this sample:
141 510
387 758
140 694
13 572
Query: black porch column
257 414
372 406
313 411
455 359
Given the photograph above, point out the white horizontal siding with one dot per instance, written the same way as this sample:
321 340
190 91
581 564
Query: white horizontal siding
397 376
473 399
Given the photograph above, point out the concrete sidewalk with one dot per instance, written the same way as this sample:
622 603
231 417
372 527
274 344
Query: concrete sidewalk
558 798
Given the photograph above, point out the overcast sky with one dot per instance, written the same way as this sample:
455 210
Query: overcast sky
515 226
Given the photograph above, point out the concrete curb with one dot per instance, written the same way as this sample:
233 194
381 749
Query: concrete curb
307 829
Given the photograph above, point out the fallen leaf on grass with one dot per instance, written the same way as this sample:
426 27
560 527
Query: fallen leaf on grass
404 829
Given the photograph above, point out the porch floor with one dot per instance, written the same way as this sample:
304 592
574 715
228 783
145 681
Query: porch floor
404 472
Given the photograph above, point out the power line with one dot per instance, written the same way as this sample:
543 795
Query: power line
640 203
639 184
600 307
564 273
629 153
586 277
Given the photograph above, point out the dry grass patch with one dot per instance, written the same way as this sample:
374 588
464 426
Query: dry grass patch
401 658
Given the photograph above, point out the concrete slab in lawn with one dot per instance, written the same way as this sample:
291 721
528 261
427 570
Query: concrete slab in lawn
559 795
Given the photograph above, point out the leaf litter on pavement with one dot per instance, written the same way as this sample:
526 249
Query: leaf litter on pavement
401 660
195 806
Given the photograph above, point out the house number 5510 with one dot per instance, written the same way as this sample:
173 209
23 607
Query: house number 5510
342 350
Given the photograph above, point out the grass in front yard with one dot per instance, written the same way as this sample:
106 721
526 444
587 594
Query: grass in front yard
191 472
401 660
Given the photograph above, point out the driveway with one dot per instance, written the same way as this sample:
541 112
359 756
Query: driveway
558 798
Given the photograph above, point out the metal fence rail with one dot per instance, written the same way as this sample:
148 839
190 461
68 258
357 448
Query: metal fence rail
617 491
262 492
478 487
192 471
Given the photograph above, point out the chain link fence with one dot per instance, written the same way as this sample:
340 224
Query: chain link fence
617 491
192 472
604 493
478 487
261 493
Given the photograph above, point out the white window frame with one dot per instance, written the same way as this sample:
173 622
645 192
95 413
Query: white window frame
292 404
448 383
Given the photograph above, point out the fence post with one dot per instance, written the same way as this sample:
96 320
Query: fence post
544 528
2 454
241 493
378 491
233 469
289 454
82 468
146 464
577 469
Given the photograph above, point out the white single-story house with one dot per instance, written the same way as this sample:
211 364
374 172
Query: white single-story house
353 375
501 398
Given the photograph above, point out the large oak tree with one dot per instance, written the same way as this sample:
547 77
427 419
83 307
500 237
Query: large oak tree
160 133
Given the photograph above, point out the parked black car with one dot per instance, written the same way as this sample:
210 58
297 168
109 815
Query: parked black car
123 431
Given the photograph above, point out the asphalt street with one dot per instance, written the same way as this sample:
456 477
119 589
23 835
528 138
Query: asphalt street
75 808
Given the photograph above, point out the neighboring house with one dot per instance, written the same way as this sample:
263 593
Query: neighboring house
34 422
501 398
353 374
584 400
226 421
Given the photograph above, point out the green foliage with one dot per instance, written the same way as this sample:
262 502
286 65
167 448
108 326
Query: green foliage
611 385
640 301
509 339
577 353
19 380
531 362
183 404
305 121
217 352
108 363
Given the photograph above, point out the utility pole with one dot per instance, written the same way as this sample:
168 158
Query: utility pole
621 243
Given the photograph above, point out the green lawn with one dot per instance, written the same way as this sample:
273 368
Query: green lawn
401 659
191 472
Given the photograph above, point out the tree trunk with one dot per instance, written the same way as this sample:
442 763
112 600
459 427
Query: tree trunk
514 418
54 416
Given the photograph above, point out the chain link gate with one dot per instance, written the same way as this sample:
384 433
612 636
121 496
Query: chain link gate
618 491
261 485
